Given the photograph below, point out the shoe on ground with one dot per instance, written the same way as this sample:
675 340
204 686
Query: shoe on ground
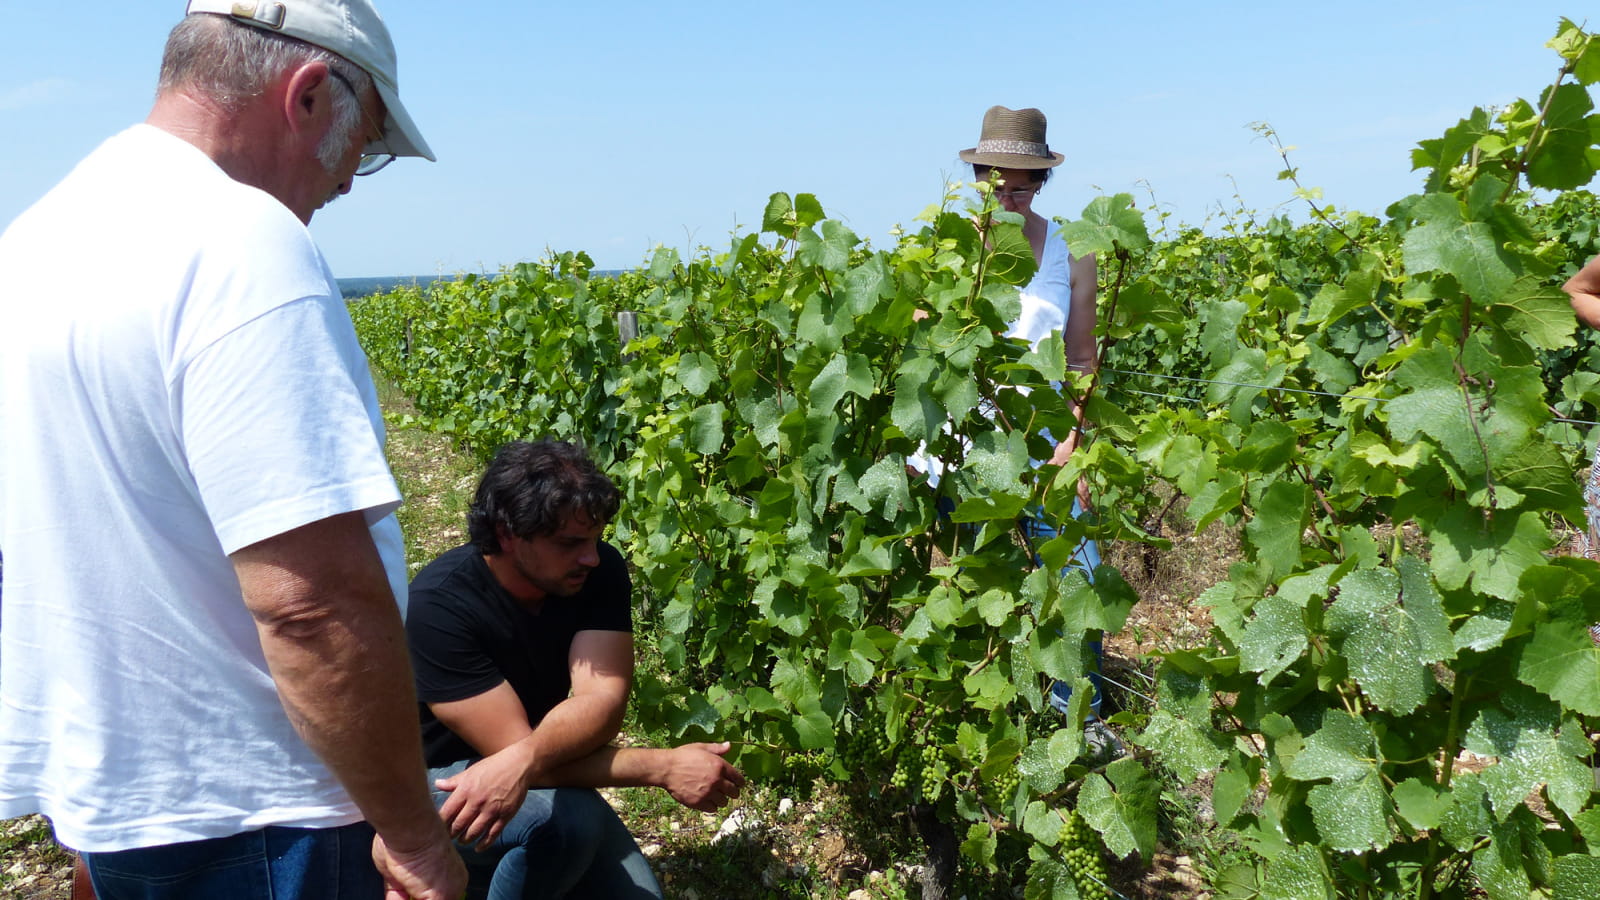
1100 744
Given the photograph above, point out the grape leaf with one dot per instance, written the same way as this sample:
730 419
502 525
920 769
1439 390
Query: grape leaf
1011 257
1273 638
884 485
998 459
1188 748
1342 749
1044 761
1503 865
1220 336
829 252
1352 816
1048 358
1335 300
1563 662
778 218
1421 803
1121 805
1561 159
1446 242
1042 823
1108 223
916 413
1534 747
843 373
1299 873
980 844
1233 785
807 210
867 284
697 372
1391 636
1050 880
1434 405
1577 877
1492 554
1539 313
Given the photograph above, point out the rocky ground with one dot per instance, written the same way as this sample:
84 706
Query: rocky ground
32 866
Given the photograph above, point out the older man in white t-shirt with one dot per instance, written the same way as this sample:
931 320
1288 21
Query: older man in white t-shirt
204 681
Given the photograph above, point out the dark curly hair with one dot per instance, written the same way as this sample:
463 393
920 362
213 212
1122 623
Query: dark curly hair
530 487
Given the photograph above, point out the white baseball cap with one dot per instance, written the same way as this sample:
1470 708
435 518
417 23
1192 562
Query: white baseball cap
350 28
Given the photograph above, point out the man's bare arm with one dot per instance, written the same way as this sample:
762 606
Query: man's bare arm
1584 289
695 775
485 796
601 666
333 641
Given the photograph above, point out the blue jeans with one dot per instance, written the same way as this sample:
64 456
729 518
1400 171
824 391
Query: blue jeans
563 842
275 863
1085 557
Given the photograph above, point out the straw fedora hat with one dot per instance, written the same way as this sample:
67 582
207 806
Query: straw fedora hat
1012 139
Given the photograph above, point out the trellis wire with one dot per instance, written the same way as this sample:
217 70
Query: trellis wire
1267 387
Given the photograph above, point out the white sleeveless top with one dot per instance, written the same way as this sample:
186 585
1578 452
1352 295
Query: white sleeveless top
1046 306
1047 299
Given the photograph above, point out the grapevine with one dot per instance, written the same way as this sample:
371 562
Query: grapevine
1369 402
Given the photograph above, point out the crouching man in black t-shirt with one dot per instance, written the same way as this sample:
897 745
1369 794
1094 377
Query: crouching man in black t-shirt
522 643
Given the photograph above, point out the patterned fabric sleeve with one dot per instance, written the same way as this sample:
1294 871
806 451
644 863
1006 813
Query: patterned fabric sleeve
1589 541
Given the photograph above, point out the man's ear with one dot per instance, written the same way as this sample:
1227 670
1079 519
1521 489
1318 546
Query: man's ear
308 99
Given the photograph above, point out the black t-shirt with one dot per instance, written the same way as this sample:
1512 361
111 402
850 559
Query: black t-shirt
467 635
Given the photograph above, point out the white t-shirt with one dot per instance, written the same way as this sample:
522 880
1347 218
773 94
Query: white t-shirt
179 379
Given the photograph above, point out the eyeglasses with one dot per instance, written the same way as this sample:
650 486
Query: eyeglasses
1021 193
370 162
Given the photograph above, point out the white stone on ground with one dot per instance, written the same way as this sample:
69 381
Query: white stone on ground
737 822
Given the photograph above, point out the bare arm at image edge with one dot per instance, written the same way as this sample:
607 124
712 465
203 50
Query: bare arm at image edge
332 636
1584 289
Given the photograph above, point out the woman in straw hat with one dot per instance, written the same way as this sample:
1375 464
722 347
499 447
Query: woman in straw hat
1013 157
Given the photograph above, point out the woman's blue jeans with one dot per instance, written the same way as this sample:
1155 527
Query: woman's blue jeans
1085 557
275 863
562 842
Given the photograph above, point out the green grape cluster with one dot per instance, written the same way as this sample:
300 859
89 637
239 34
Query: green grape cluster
867 748
1081 849
900 777
934 772
907 770
1005 785
800 772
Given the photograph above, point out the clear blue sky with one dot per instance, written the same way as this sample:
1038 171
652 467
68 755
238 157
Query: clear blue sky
614 126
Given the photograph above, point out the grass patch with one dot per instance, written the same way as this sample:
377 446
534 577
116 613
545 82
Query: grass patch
436 479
